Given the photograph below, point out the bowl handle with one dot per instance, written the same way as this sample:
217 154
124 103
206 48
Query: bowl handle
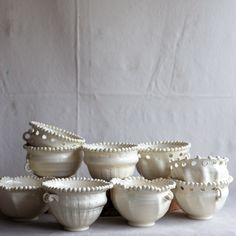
169 196
26 136
218 194
47 197
27 165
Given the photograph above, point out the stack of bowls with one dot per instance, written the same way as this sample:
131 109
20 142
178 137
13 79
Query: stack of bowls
51 151
201 185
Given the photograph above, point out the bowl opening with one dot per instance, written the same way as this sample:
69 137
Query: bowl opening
19 182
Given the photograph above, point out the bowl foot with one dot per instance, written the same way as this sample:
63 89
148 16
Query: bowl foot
76 229
135 224
200 217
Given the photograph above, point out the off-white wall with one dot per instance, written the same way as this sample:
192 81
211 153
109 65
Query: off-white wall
147 70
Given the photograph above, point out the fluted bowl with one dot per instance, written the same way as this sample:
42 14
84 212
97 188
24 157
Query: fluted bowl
202 200
110 160
142 201
76 202
21 197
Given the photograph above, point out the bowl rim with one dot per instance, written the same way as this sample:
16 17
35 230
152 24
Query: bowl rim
50 185
53 130
150 186
104 147
153 146
207 185
21 188
199 160
50 149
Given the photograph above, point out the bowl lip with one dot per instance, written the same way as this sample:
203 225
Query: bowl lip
169 184
50 149
53 130
21 188
101 147
147 147
207 185
49 185
202 160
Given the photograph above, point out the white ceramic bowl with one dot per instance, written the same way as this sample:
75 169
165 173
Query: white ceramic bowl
21 197
200 169
142 201
52 162
201 200
155 157
110 160
76 202
44 135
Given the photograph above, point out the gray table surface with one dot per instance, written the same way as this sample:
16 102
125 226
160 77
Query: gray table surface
223 223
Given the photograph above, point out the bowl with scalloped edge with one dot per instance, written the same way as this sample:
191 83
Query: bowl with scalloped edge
154 157
110 160
142 201
200 169
52 162
76 202
21 197
202 200
44 135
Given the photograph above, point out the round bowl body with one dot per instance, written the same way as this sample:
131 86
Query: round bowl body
199 200
53 162
141 201
21 197
155 157
43 135
76 202
200 169
107 161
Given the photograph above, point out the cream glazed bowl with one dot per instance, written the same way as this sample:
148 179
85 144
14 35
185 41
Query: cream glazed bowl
110 160
76 202
44 135
21 197
154 157
52 162
142 201
201 200
200 169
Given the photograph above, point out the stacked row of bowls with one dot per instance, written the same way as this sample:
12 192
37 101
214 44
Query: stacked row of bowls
200 185
51 151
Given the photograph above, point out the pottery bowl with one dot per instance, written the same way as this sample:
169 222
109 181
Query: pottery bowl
200 169
52 162
110 160
154 157
21 197
44 135
76 202
201 200
142 201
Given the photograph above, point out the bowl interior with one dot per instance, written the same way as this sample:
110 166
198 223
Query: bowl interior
66 184
120 145
19 182
142 182
163 145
